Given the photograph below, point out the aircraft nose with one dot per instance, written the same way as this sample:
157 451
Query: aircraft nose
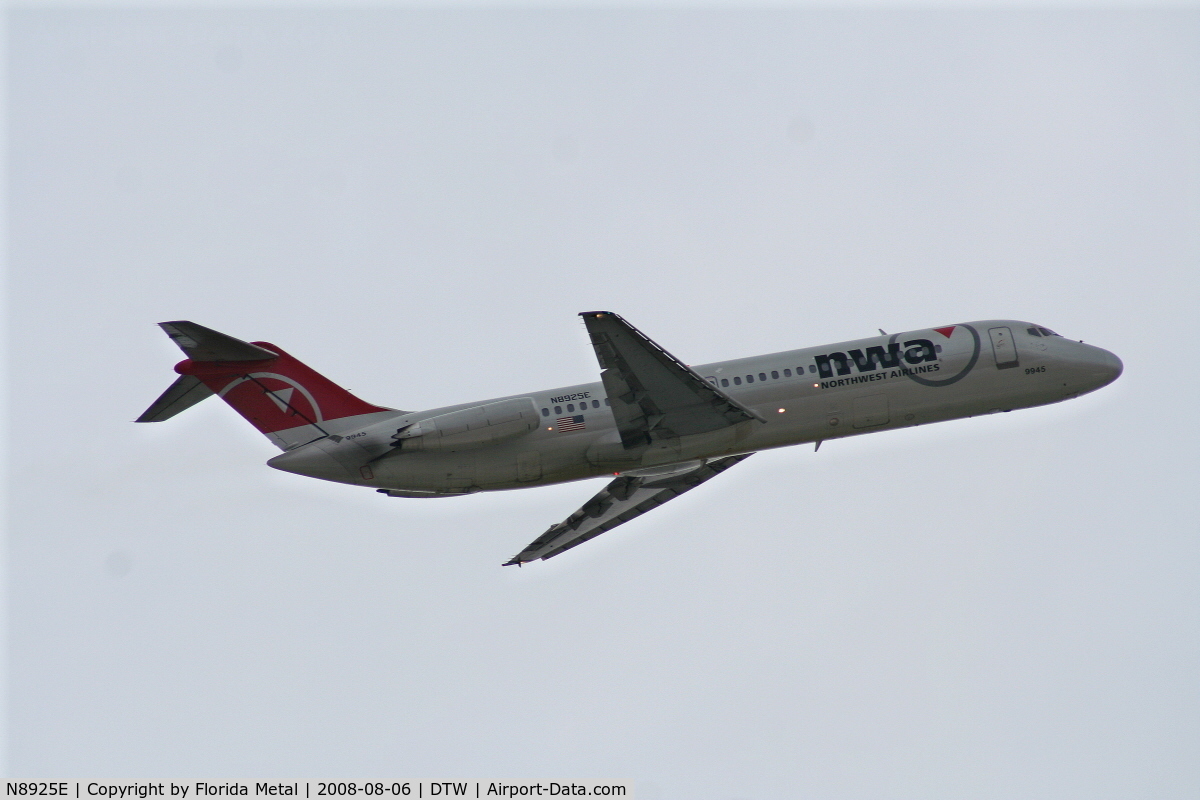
1100 366
1114 366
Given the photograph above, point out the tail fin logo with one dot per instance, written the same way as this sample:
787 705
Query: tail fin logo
282 396
290 398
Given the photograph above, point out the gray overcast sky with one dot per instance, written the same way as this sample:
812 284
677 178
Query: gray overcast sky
417 203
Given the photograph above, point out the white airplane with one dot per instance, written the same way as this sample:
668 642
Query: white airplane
659 426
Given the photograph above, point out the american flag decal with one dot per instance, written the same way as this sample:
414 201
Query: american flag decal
570 423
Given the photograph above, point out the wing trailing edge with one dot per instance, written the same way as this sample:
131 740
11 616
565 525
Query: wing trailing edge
623 499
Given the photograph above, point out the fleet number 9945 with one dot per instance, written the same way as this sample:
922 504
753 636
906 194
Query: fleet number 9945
1031 370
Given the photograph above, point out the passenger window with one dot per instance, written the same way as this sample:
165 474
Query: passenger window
937 348
558 409
545 412
570 408
812 367
595 404
787 373
606 401
749 379
724 381
775 374
737 381
762 376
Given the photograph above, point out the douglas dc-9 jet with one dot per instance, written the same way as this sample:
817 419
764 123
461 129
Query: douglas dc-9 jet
655 425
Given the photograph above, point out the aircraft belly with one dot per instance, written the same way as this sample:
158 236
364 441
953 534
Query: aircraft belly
700 445
431 472
486 469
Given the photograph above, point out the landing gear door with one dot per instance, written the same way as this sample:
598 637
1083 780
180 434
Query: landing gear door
1003 347
871 411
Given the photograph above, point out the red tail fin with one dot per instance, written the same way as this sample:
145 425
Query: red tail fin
278 393
283 398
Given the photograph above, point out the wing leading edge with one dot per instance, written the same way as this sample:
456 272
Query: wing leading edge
623 499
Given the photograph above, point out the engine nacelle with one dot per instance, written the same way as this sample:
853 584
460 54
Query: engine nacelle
471 427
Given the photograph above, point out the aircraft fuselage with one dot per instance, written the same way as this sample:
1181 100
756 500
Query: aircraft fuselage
802 396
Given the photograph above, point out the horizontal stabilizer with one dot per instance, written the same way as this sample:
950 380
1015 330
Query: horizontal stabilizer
179 396
621 500
204 344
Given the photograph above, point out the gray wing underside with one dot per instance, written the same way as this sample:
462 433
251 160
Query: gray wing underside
653 395
181 395
621 500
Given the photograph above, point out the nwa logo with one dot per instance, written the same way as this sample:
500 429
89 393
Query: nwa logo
915 352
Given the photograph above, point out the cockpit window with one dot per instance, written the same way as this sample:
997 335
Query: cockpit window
1033 331
1047 332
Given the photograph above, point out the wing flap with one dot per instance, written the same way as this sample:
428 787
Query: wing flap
653 395
623 499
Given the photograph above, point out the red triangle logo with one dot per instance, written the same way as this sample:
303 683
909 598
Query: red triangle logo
946 331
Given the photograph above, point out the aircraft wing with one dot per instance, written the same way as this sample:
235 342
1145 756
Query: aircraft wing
621 500
654 395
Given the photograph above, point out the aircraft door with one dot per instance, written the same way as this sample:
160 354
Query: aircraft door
1003 347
